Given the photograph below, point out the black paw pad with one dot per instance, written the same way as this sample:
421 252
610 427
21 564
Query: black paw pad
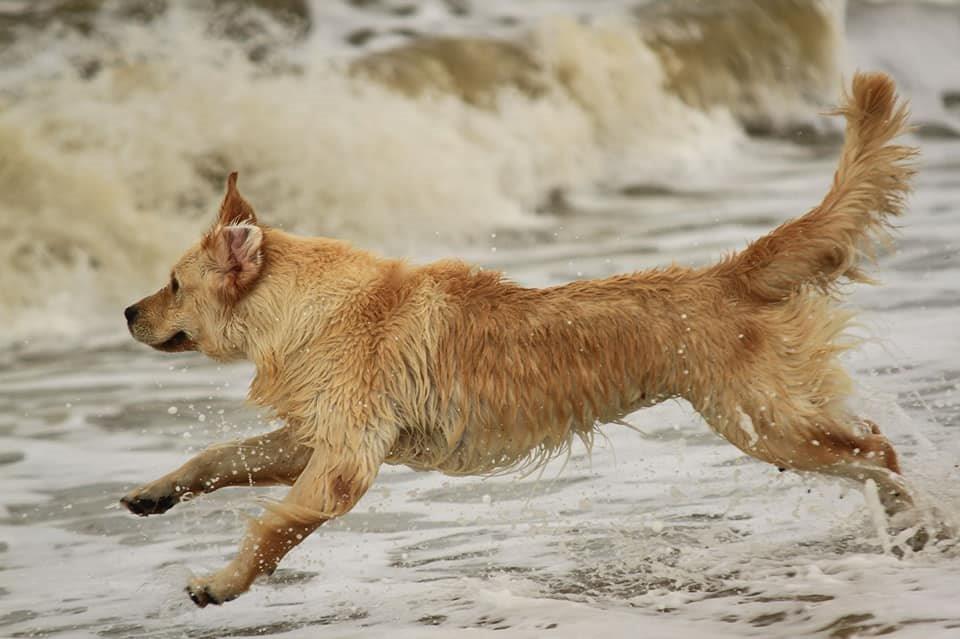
144 506
203 597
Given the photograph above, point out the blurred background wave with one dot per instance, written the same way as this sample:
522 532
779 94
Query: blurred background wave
412 127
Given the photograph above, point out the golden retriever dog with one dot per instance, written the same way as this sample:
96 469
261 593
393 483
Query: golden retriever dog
454 368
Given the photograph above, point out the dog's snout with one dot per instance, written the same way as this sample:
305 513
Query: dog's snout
131 313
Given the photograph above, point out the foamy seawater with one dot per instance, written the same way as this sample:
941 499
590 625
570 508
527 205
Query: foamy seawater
664 532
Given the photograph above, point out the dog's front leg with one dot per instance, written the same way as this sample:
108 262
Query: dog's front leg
335 478
274 458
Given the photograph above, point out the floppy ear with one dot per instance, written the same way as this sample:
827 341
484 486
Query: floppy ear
235 209
235 249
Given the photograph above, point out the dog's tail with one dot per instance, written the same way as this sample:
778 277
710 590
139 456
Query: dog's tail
869 186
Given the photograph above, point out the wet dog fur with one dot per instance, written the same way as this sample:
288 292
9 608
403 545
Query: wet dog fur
453 368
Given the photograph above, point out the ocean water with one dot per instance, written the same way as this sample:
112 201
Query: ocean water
552 139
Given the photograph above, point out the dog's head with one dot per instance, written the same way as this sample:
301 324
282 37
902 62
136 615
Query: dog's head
194 310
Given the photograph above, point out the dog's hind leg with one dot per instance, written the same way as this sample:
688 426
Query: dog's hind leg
273 458
860 452
832 444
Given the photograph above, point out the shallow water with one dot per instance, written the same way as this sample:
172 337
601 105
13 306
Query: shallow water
662 533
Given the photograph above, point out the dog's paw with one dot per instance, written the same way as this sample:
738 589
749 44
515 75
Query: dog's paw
204 591
202 596
148 500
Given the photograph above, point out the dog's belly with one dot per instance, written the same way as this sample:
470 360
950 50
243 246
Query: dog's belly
489 442
480 450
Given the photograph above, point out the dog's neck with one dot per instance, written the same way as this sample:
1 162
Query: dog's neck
283 325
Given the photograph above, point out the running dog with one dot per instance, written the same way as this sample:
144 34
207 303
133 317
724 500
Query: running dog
454 368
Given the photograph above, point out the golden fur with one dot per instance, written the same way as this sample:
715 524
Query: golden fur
454 368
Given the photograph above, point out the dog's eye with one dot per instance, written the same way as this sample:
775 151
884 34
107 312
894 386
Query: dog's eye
174 284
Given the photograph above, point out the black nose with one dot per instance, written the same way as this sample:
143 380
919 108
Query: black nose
131 313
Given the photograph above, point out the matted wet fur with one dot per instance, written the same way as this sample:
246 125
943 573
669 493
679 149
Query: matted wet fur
454 368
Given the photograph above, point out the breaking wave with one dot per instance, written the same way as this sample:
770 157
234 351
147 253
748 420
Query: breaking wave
116 131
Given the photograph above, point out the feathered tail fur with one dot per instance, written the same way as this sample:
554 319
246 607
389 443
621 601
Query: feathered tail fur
869 188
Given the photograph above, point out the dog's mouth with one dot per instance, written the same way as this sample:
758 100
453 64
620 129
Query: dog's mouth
176 343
